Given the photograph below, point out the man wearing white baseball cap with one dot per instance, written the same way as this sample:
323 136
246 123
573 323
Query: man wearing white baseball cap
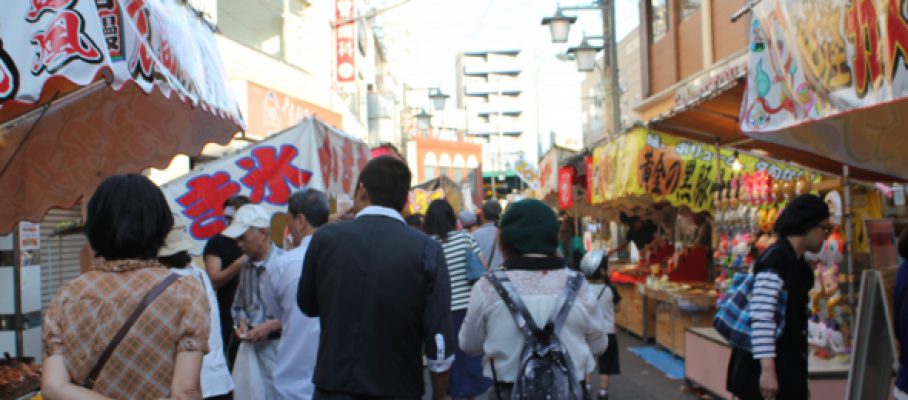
259 331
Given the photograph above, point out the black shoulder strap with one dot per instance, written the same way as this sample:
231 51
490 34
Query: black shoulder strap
124 330
505 289
566 298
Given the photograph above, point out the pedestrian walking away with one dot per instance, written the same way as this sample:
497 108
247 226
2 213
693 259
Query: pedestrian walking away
129 328
537 284
595 266
466 379
486 234
380 288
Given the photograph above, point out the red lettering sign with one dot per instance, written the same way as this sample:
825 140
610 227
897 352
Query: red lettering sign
862 27
589 179
9 76
204 201
344 41
63 41
566 188
897 29
39 7
141 63
272 172
112 27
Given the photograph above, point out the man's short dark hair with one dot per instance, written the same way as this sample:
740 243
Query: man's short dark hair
127 217
236 201
491 211
312 204
387 181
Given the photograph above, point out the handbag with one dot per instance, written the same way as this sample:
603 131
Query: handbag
733 316
89 382
475 267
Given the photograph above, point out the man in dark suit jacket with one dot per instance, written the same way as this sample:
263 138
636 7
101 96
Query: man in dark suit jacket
381 290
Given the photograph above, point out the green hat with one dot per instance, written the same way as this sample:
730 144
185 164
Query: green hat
530 226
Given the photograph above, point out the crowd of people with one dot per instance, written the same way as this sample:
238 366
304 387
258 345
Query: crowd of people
361 305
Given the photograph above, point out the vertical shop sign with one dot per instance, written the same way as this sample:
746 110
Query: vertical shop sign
589 179
565 188
344 40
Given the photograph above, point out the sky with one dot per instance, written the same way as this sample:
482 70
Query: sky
426 35
423 38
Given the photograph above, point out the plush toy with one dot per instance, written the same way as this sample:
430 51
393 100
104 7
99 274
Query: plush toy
818 292
740 249
817 334
836 338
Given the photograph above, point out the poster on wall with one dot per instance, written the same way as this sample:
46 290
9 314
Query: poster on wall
881 236
29 236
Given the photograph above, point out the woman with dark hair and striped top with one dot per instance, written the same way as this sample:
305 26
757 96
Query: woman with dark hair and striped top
466 379
776 368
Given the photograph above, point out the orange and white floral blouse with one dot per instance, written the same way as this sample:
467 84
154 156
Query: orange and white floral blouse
87 313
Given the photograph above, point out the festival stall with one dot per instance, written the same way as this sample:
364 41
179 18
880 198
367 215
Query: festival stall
825 82
89 89
673 182
423 194
311 154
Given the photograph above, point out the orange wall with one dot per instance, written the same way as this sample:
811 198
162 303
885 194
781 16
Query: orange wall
452 148
271 111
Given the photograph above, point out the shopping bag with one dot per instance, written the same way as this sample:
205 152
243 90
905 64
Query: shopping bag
248 376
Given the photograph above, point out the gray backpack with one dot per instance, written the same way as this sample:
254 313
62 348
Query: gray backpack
546 371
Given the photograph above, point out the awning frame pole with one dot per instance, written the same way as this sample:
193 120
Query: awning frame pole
849 237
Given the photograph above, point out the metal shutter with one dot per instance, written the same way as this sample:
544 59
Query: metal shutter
59 255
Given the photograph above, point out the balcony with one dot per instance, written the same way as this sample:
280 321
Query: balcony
511 109
511 130
498 68
485 89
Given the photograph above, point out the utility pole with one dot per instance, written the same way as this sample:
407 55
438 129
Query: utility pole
610 62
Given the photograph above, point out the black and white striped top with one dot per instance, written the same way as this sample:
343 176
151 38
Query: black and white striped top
455 248
763 303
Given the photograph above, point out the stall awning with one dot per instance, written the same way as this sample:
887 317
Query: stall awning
713 119
90 89
837 90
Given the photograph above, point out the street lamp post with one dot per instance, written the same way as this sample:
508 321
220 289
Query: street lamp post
560 28
423 118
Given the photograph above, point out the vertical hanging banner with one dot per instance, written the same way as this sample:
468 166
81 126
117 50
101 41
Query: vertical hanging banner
566 188
344 37
588 160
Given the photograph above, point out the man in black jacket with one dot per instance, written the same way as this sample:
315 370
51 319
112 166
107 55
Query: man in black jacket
381 290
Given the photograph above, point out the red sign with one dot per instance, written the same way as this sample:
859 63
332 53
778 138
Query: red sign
345 39
566 188
589 179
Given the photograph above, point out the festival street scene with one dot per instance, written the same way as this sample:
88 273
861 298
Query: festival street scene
453 200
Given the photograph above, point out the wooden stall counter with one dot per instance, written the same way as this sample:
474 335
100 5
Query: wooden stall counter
706 367
677 312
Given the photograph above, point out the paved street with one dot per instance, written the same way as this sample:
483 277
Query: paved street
638 380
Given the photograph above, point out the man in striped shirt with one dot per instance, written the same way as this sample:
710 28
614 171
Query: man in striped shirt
777 367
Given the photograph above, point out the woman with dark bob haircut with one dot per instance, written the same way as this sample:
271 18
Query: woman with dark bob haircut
161 355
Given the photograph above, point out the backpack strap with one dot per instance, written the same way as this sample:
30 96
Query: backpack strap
566 298
505 289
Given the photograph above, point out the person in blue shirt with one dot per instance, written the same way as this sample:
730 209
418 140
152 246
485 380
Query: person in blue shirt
901 319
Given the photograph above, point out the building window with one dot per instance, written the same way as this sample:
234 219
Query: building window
659 19
689 7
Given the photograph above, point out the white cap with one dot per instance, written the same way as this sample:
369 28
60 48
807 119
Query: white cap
177 240
248 216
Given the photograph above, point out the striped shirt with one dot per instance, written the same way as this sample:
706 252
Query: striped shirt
455 248
763 302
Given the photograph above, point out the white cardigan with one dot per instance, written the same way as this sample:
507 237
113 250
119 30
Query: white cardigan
489 326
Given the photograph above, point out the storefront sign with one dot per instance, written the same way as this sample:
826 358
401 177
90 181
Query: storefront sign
669 168
548 174
272 111
839 62
345 38
566 188
309 155
588 161
711 82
